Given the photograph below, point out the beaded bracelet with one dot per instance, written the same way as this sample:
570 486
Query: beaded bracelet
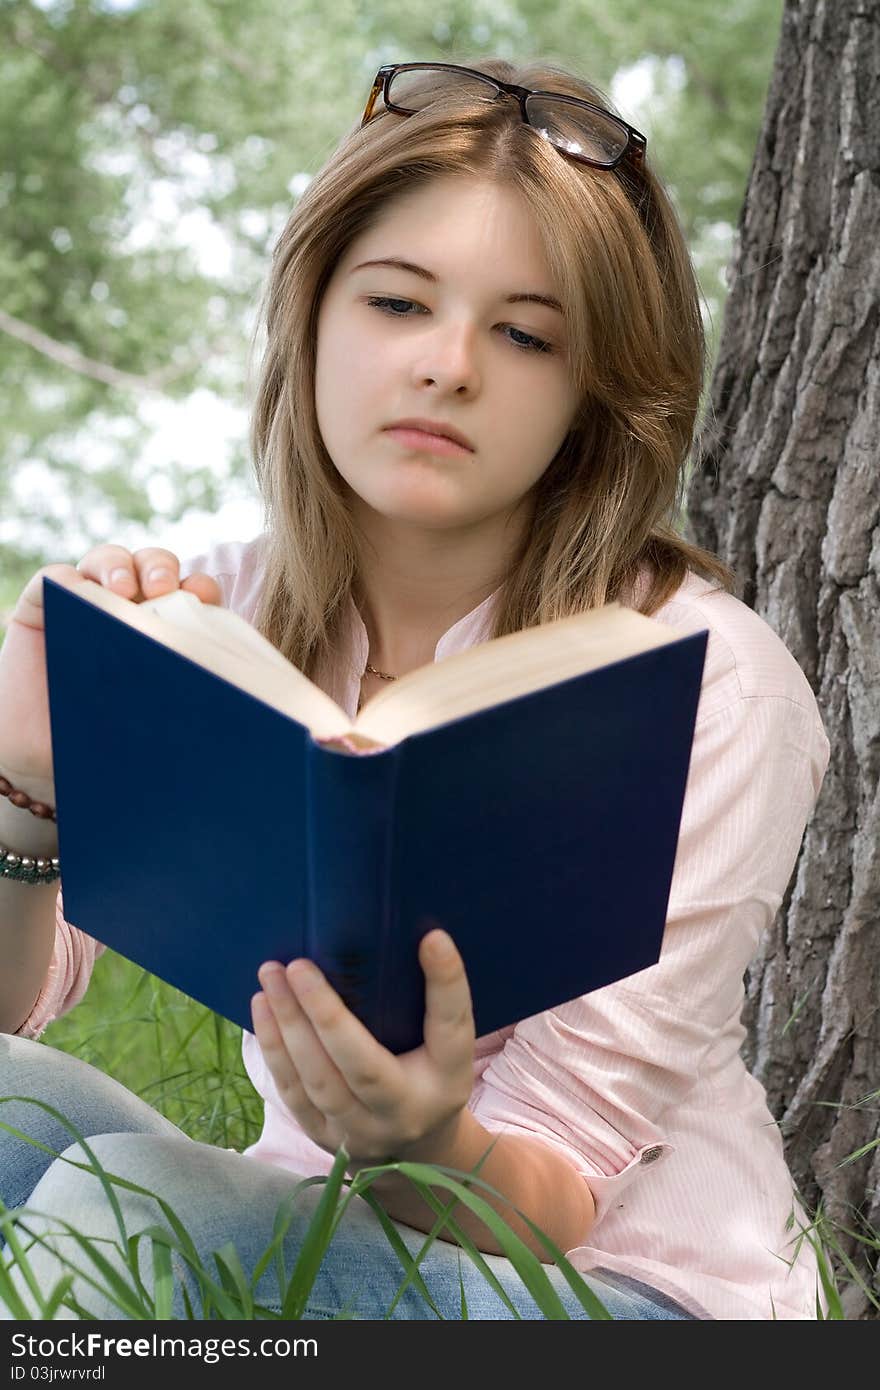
26 868
23 801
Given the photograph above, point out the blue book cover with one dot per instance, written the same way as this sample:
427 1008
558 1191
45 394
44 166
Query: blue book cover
203 831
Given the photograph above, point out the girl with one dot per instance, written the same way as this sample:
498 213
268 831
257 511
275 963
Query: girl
483 365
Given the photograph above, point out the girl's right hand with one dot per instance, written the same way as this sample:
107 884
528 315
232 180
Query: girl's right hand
25 732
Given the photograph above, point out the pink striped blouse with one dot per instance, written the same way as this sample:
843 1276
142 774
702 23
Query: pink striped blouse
640 1085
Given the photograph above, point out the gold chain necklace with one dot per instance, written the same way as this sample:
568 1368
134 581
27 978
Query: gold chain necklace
373 672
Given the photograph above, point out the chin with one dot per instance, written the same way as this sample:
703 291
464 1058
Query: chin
418 501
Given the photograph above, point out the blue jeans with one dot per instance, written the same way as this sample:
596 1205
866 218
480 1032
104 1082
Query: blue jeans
221 1196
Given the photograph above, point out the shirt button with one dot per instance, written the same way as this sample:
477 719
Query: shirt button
651 1155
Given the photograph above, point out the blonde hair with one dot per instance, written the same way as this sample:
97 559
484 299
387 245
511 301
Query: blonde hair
608 503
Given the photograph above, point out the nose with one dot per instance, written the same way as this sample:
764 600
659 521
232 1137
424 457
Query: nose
448 359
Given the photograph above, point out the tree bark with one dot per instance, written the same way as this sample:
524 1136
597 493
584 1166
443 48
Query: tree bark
785 489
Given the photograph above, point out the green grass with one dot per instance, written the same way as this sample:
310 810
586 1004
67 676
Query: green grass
228 1293
174 1053
186 1062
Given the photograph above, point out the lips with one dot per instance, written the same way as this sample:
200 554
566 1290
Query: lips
422 443
433 427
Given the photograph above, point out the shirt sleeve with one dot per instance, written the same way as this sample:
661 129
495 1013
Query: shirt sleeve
67 979
597 1078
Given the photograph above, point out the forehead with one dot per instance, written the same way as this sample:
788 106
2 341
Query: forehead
454 219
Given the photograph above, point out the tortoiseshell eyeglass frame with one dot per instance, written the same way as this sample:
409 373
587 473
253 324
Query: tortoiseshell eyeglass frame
634 148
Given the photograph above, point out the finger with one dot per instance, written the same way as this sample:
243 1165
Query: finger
282 1067
116 568
449 1015
204 587
111 566
371 1073
158 573
157 570
148 573
322 1081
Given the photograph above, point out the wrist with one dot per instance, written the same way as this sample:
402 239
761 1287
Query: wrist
441 1144
37 788
26 834
448 1145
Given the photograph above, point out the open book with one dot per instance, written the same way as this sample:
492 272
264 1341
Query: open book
217 809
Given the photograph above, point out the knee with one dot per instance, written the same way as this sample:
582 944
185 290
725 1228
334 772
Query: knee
74 1198
19 1054
70 1216
79 1182
12 1046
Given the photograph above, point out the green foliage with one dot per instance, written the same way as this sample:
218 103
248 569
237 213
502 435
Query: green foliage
98 129
186 1062
234 1297
177 1055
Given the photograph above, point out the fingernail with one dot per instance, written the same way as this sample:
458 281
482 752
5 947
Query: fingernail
121 576
160 575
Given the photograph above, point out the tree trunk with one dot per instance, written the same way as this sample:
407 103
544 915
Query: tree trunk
785 489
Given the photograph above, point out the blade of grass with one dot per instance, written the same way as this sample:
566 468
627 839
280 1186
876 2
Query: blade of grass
163 1281
8 1292
445 1221
122 1294
410 1266
186 1247
57 1296
315 1242
210 1291
96 1165
365 1177
233 1278
527 1264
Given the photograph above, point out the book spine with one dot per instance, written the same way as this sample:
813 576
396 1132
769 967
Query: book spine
348 893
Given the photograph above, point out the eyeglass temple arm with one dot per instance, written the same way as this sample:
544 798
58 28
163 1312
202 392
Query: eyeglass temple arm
377 87
638 145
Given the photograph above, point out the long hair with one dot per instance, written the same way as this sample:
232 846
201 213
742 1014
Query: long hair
606 509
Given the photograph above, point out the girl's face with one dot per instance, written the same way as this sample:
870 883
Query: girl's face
444 344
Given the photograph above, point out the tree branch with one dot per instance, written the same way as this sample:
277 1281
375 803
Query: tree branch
76 361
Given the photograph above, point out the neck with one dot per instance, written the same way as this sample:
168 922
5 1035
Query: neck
414 583
402 640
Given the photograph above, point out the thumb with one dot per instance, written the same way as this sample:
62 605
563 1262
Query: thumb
449 1017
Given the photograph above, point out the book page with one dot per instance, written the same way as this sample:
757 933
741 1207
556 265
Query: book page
501 669
230 647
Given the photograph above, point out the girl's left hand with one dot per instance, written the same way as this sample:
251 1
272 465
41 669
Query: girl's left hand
341 1084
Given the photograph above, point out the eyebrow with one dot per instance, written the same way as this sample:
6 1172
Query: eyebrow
522 297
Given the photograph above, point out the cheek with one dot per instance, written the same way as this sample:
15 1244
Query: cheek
530 434
345 378
536 417
339 394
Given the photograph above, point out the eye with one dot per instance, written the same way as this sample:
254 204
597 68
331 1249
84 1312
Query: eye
531 344
382 303
377 301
